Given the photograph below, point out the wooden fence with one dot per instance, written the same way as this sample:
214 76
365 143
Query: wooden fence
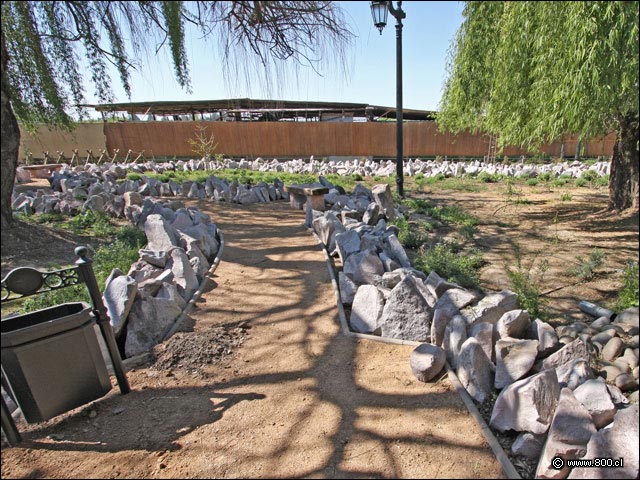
294 139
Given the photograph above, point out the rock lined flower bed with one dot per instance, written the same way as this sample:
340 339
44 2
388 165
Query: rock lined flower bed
568 392
182 243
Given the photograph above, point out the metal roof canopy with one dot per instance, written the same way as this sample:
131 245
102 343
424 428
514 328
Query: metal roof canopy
281 108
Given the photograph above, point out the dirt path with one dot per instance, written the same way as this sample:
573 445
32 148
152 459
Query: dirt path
297 399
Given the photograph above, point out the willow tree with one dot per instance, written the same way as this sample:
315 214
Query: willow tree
532 72
43 43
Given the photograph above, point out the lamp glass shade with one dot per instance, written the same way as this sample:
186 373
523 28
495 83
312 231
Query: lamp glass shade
379 12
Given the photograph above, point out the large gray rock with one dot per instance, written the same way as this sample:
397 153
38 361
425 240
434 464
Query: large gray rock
545 334
595 397
382 196
513 324
528 404
184 276
612 349
475 370
363 267
456 296
574 373
160 235
483 332
366 311
441 317
528 445
514 358
571 351
438 285
347 243
568 436
427 361
491 307
616 442
326 227
151 318
455 334
406 315
395 250
118 297
347 288
628 317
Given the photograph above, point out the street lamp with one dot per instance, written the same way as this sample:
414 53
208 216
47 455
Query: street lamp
379 13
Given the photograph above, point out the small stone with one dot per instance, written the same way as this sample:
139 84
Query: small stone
427 361
612 349
625 382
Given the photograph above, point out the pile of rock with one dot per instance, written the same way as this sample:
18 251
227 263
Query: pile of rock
382 168
182 243
144 304
77 190
562 389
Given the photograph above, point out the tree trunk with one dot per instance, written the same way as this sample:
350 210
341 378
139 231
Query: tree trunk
623 180
9 147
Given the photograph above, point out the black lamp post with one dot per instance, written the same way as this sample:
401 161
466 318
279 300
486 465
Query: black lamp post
379 12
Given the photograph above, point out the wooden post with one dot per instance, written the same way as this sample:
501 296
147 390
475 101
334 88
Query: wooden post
115 154
46 157
74 156
60 155
89 157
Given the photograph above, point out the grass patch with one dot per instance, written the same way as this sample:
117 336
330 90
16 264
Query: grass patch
412 235
451 263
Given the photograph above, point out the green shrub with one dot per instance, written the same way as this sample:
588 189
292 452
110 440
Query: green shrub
119 254
566 197
357 177
589 175
581 182
134 176
628 295
526 283
487 177
602 181
450 263
585 268
545 176
532 182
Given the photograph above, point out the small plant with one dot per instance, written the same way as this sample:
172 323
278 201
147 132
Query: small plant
545 176
602 181
589 176
202 145
487 177
532 182
134 177
581 182
452 264
585 268
628 295
357 177
566 197
411 235
526 282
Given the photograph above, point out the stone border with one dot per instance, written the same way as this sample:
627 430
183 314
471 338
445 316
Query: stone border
507 467
145 357
196 296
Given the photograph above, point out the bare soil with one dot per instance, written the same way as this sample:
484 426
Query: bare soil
536 222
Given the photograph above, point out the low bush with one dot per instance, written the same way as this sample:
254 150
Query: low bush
461 267
628 295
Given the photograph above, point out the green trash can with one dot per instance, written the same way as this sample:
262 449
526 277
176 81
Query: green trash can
52 360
